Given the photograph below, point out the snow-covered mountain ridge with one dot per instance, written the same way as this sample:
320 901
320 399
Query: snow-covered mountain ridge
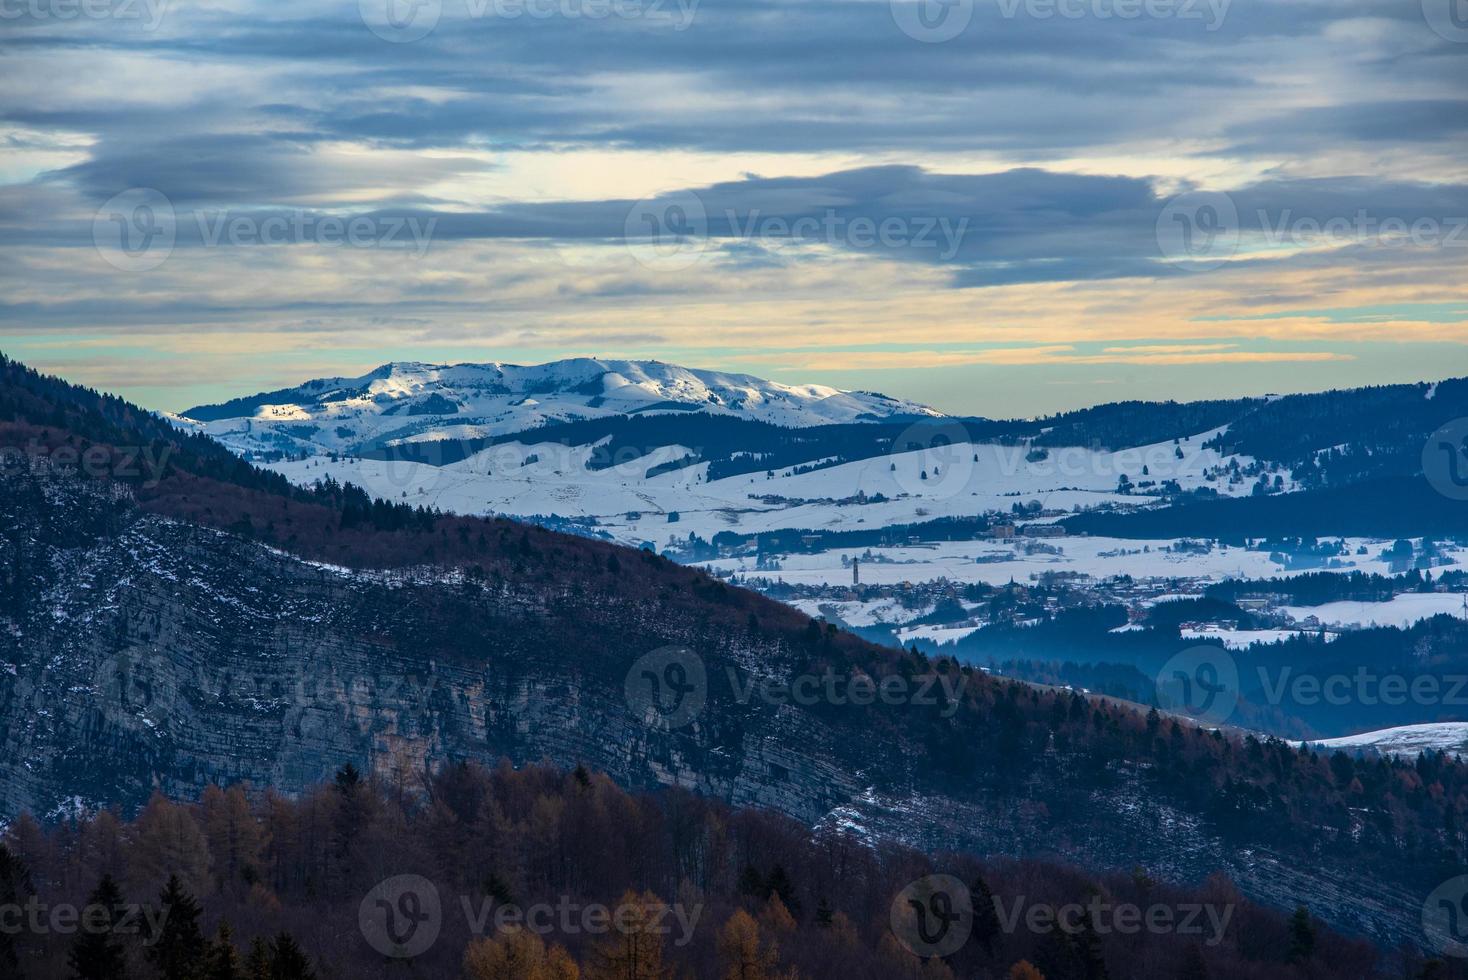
411 401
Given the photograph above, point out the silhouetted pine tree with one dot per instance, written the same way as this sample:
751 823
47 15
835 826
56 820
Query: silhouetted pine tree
98 955
223 960
1302 936
986 919
15 885
178 947
257 964
1193 967
287 962
779 883
1088 942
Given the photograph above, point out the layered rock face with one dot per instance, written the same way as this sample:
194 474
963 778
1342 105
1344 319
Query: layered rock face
151 654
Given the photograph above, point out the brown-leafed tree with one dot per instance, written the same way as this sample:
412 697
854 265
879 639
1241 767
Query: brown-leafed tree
518 954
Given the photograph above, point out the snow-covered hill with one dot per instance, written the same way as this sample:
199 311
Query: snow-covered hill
410 401
1447 736
633 501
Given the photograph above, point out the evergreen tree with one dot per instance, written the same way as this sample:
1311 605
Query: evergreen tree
353 808
287 961
1088 943
986 918
1302 936
752 883
1193 967
15 885
96 954
257 964
222 960
779 883
177 948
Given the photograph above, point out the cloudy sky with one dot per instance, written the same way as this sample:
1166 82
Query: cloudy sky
1002 207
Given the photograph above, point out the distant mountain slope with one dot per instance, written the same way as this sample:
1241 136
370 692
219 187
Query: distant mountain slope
611 442
1332 438
408 401
1407 740
1395 507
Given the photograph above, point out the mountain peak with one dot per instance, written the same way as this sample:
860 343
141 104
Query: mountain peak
404 401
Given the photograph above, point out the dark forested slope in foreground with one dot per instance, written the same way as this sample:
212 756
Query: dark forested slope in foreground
708 892
200 622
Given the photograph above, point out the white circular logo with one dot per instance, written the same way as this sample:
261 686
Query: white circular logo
135 231
1201 682
667 688
1447 18
1445 460
932 459
933 916
1199 229
1445 917
667 233
932 21
400 21
401 917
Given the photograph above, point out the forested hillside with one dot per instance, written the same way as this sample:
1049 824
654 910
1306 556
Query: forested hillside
511 876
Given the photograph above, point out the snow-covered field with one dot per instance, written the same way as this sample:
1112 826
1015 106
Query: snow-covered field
1402 610
1447 736
960 480
937 634
1007 561
1243 639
